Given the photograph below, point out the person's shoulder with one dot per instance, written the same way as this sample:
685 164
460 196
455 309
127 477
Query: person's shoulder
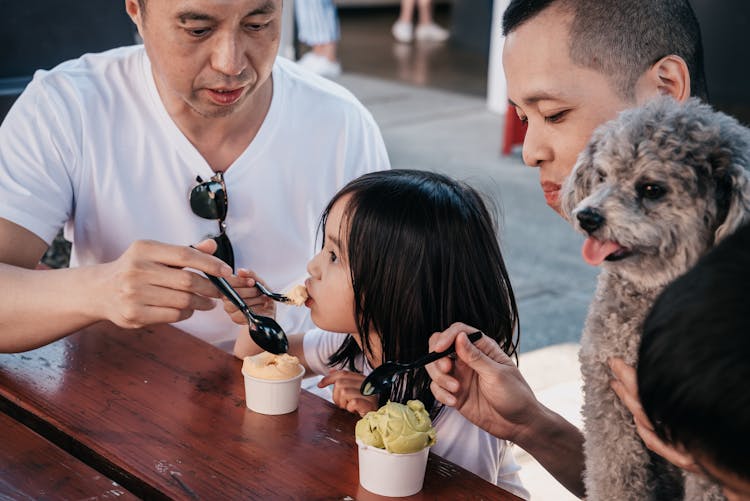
93 69
83 86
305 86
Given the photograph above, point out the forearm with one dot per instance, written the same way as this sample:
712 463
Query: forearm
558 446
41 306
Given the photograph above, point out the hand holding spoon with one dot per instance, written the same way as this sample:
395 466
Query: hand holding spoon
380 379
264 330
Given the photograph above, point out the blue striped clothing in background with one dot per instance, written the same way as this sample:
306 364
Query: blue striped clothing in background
317 22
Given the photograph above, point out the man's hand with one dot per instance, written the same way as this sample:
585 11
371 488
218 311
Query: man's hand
152 283
244 284
483 383
626 387
485 386
346 393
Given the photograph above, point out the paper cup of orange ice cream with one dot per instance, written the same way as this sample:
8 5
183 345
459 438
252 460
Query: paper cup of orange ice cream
272 383
394 444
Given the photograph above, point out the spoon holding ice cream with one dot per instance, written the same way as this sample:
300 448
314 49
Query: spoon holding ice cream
264 330
296 296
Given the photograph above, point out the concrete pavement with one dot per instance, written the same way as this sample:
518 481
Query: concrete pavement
554 374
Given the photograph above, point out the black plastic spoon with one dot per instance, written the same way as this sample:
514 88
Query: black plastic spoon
264 330
281 298
380 379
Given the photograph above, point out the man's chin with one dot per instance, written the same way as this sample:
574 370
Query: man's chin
555 206
552 197
224 111
209 110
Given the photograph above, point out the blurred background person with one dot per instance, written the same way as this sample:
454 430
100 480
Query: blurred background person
426 30
318 28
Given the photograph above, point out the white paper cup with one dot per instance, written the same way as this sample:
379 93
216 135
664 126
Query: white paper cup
273 396
388 474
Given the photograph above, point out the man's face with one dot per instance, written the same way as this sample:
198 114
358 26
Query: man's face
209 56
561 102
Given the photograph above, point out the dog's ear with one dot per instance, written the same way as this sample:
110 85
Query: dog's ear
578 184
731 168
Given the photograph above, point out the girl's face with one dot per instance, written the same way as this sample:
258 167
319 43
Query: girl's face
331 300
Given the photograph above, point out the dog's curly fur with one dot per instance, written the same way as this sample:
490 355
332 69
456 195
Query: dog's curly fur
664 183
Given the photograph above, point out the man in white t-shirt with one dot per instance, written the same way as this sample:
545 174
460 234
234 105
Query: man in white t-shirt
123 149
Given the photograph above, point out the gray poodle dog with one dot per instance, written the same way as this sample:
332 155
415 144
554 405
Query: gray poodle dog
653 191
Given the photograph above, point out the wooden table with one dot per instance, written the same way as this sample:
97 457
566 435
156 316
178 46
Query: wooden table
163 414
31 467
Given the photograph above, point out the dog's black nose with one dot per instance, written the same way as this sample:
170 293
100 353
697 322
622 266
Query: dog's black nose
590 219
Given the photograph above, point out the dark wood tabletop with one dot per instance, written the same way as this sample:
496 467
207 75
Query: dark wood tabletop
33 468
163 414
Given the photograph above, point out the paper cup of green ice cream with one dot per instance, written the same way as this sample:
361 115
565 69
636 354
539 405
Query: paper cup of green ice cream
394 443
388 474
272 383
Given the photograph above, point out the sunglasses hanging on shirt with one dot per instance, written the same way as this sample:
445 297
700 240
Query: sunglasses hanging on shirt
208 199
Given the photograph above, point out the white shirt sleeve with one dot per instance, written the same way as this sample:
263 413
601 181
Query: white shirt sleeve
38 156
318 346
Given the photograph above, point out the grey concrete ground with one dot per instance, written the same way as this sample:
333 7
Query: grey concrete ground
456 135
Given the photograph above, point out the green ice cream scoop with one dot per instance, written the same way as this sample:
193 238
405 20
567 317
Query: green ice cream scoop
397 428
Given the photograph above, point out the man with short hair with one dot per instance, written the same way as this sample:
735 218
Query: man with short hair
141 151
570 65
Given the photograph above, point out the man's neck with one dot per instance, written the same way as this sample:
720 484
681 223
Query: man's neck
221 140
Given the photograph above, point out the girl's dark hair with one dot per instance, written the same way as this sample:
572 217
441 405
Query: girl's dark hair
423 254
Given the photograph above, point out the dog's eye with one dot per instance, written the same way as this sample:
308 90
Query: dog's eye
601 176
650 191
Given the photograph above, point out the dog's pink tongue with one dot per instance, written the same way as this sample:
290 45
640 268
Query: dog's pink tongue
595 252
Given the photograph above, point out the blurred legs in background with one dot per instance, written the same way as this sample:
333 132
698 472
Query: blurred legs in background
318 27
426 30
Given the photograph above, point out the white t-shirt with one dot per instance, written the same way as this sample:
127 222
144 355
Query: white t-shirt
458 440
90 145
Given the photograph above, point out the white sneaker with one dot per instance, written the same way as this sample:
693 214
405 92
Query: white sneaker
320 65
431 33
403 32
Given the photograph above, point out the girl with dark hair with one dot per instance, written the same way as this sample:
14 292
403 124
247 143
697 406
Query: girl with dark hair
406 254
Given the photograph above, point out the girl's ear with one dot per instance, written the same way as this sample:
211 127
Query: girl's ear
669 76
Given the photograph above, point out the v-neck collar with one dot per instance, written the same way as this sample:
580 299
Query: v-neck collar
190 153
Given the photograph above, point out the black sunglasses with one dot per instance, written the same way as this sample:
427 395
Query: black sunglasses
208 199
